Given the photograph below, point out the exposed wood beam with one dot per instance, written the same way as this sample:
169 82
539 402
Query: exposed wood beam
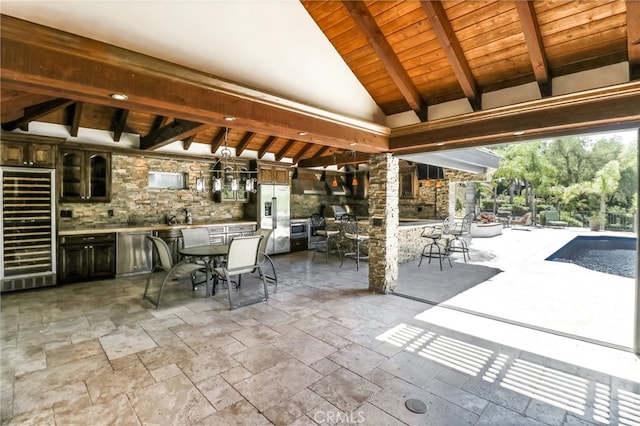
334 159
186 142
13 103
120 124
633 38
34 112
280 154
449 41
533 37
611 108
266 146
321 151
160 121
218 139
367 24
177 130
302 152
244 142
75 122
47 61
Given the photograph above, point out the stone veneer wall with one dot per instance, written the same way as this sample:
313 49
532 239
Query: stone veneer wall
383 236
433 202
410 243
132 200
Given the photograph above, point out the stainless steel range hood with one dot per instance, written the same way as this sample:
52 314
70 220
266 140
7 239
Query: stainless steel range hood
340 188
306 183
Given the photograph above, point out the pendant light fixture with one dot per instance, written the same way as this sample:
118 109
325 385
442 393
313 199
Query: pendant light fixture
228 173
439 181
428 181
354 181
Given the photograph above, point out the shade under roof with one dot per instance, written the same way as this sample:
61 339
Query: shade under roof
473 160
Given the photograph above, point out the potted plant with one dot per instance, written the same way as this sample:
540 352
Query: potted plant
596 222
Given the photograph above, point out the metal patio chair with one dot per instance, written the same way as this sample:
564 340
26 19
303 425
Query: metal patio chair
172 271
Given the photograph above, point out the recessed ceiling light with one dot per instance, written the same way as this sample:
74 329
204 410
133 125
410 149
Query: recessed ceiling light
353 144
302 133
440 144
518 133
230 119
119 96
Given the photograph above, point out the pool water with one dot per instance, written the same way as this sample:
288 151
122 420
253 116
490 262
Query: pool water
608 254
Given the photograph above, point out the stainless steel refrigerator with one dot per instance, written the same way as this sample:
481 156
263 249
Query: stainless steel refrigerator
274 213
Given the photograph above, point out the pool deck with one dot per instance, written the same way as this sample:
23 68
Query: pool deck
554 297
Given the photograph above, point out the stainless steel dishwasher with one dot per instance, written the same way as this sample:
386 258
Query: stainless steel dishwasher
134 253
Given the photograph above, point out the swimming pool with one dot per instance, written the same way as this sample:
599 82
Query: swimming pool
609 254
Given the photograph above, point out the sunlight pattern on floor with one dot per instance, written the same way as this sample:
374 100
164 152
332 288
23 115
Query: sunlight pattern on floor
586 398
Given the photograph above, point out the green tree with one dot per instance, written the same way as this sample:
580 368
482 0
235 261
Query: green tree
569 158
606 182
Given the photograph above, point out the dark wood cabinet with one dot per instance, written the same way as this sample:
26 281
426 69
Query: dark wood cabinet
86 257
28 154
84 176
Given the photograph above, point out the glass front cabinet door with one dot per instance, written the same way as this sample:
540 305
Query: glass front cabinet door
85 176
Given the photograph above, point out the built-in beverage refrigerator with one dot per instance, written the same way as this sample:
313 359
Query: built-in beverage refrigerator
27 226
274 213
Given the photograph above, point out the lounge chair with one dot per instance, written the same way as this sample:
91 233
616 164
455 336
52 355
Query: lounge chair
552 218
523 221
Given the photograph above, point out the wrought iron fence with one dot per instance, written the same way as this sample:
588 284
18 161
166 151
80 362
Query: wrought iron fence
614 222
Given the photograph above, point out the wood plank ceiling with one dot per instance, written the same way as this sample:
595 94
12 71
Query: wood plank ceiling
409 55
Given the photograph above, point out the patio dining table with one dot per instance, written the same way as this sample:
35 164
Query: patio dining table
212 254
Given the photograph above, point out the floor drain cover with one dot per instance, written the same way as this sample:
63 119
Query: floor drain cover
416 406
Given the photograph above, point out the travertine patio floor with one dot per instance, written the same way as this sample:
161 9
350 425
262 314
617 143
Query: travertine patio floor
322 350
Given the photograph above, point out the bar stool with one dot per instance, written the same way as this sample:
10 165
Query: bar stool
323 245
438 247
353 242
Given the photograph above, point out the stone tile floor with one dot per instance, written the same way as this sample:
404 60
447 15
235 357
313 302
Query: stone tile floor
322 350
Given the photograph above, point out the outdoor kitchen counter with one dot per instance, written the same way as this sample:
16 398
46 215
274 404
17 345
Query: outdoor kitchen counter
107 228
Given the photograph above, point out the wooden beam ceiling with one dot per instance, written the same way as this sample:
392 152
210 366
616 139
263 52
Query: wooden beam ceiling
280 154
244 142
633 38
176 130
449 41
267 145
531 30
120 124
610 108
367 24
34 112
46 61
75 122
338 159
218 139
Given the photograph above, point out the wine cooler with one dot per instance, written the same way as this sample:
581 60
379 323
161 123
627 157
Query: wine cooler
28 228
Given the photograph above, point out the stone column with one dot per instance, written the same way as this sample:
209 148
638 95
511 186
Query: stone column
383 223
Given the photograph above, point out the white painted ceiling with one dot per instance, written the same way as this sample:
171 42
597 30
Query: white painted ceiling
269 45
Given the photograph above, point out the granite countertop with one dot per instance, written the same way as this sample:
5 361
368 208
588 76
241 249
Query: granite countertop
107 228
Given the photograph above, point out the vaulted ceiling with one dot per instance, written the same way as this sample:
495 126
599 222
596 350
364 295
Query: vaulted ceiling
413 58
